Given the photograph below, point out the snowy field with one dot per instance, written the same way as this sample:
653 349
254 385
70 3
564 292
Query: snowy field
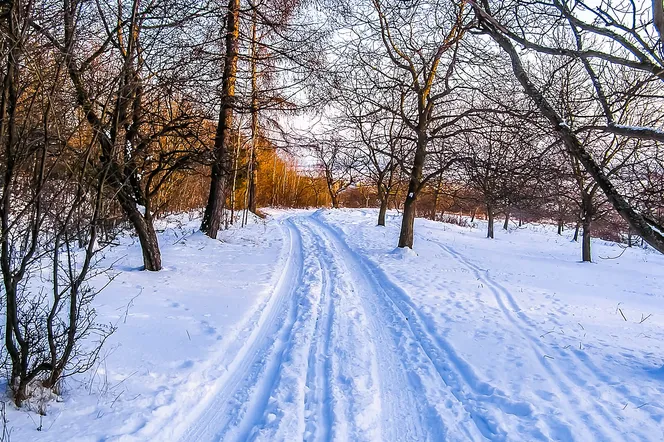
310 326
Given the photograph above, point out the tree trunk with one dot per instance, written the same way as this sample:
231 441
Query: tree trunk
506 224
576 231
472 216
273 199
335 200
408 221
254 115
489 214
251 191
8 131
147 236
587 217
382 212
220 168
560 227
235 168
407 224
435 199
586 241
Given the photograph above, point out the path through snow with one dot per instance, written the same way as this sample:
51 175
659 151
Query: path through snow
311 327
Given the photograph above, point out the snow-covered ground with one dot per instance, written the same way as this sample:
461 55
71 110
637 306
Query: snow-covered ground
311 326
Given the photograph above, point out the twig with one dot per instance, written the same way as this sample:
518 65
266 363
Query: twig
122 381
614 257
53 422
116 398
130 304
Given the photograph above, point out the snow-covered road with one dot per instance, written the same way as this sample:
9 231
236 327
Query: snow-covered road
312 327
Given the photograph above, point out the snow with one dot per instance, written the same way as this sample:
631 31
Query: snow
644 129
311 326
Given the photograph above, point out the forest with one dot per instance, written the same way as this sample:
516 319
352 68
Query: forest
115 114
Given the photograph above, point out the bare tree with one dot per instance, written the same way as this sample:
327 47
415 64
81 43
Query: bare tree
381 153
407 75
336 162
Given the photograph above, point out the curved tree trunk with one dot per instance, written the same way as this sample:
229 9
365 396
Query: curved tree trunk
147 236
506 224
14 340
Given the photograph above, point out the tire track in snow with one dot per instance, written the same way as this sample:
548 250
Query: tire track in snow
401 413
280 412
345 397
197 399
292 382
452 369
450 411
559 376
232 402
319 415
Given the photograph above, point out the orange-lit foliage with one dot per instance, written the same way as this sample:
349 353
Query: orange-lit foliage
280 182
